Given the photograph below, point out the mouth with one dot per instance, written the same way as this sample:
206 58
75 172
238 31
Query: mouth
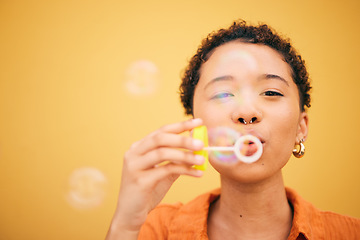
249 148
246 146
249 142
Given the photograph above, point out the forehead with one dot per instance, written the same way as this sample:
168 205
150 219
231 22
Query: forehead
244 58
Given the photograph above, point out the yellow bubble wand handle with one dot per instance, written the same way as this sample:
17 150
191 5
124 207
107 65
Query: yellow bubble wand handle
200 133
236 148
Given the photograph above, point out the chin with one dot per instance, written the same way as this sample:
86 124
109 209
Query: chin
242 172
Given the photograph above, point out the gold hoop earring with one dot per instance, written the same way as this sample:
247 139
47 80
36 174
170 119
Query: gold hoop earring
301 151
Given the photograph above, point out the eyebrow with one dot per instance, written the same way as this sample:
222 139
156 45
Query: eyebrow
218 79
273 76
231 78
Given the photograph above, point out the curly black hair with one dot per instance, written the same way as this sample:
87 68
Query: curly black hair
240 30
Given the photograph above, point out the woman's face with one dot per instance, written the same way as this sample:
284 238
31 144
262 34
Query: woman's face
244 82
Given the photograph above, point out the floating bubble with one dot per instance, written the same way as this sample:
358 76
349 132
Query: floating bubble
229 146
142 78
86 188
224 137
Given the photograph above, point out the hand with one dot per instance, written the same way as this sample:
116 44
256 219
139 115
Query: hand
151 166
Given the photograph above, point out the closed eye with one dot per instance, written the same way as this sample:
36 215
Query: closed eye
223 95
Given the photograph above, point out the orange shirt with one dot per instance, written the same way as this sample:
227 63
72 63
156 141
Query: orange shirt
189 221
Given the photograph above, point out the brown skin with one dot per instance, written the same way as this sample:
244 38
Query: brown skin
254 191
251 82
151 166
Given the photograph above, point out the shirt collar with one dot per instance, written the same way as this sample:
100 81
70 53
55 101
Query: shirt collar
192 217
306 219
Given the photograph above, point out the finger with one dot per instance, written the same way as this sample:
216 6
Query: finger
176 169
151 178
158 139
161 155
170 140
182 126
177 128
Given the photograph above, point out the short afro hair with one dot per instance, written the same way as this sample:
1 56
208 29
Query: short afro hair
240 30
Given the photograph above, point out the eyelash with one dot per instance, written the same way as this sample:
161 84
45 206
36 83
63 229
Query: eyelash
272 93
227 94
222 95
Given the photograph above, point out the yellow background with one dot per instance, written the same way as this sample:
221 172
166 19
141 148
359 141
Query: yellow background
64 105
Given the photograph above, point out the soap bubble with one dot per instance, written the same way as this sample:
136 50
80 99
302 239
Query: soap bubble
229 146
224 137
86 188
142 78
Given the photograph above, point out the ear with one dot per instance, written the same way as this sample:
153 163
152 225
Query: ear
302 127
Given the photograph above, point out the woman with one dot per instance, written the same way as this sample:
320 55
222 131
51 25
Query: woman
249 79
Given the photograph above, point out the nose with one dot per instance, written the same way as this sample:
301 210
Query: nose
246 114
252 120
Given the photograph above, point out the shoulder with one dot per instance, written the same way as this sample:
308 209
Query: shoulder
158 221
316 224
178 220
339 226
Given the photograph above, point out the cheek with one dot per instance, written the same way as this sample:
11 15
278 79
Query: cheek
285 126
213 115
203 109
198 108
196 102
209 116
287 114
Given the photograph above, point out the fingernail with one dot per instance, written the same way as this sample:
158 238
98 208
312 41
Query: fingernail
199 159
198 144
197 120
199 173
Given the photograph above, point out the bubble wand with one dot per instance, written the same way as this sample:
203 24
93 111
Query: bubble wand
201 134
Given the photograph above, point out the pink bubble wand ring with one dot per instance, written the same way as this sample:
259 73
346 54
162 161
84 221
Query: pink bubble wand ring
241 141
245 140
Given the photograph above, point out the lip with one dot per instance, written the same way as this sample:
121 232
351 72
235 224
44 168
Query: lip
254 133
237 131
248 149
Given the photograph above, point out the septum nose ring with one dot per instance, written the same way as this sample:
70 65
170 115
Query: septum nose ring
243 121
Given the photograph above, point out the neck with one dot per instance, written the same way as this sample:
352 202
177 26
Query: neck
252 211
